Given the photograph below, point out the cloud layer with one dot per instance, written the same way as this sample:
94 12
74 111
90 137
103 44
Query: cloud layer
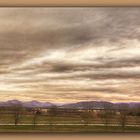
70 54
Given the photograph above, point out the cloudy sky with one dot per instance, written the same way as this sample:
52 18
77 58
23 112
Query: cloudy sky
70 54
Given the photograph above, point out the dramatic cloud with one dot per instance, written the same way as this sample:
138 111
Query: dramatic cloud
70 54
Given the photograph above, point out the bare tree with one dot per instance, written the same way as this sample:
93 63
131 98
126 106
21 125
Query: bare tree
87 115
17 109
107 113
52 114
137 114
138 110
36 112
123 115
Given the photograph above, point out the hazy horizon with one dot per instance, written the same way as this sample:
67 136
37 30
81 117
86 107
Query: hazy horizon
58 103
65 55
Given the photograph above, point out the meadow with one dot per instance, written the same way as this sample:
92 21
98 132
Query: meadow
71 122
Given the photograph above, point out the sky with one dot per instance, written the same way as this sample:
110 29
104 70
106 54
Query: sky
64 55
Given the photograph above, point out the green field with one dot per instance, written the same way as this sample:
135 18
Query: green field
66 128
45 123
45 119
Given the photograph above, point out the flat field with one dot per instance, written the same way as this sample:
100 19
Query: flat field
72 124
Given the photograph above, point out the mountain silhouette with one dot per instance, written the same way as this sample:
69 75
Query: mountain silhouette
77 105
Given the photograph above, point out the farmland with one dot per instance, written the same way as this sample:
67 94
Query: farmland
67 120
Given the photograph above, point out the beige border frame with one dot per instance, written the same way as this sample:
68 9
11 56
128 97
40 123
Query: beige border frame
27 136
69 2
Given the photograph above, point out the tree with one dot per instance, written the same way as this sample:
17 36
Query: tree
123 115
52 114
138 110
53 111
107 112
87 114
17 109
36 112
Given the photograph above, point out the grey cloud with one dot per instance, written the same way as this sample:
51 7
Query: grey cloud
102 90
122 63
26 33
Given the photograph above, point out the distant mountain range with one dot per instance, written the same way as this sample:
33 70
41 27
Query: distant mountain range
29 104
78 105
101 105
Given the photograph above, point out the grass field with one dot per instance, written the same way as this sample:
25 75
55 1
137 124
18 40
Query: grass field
65 128
44 123
45 119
